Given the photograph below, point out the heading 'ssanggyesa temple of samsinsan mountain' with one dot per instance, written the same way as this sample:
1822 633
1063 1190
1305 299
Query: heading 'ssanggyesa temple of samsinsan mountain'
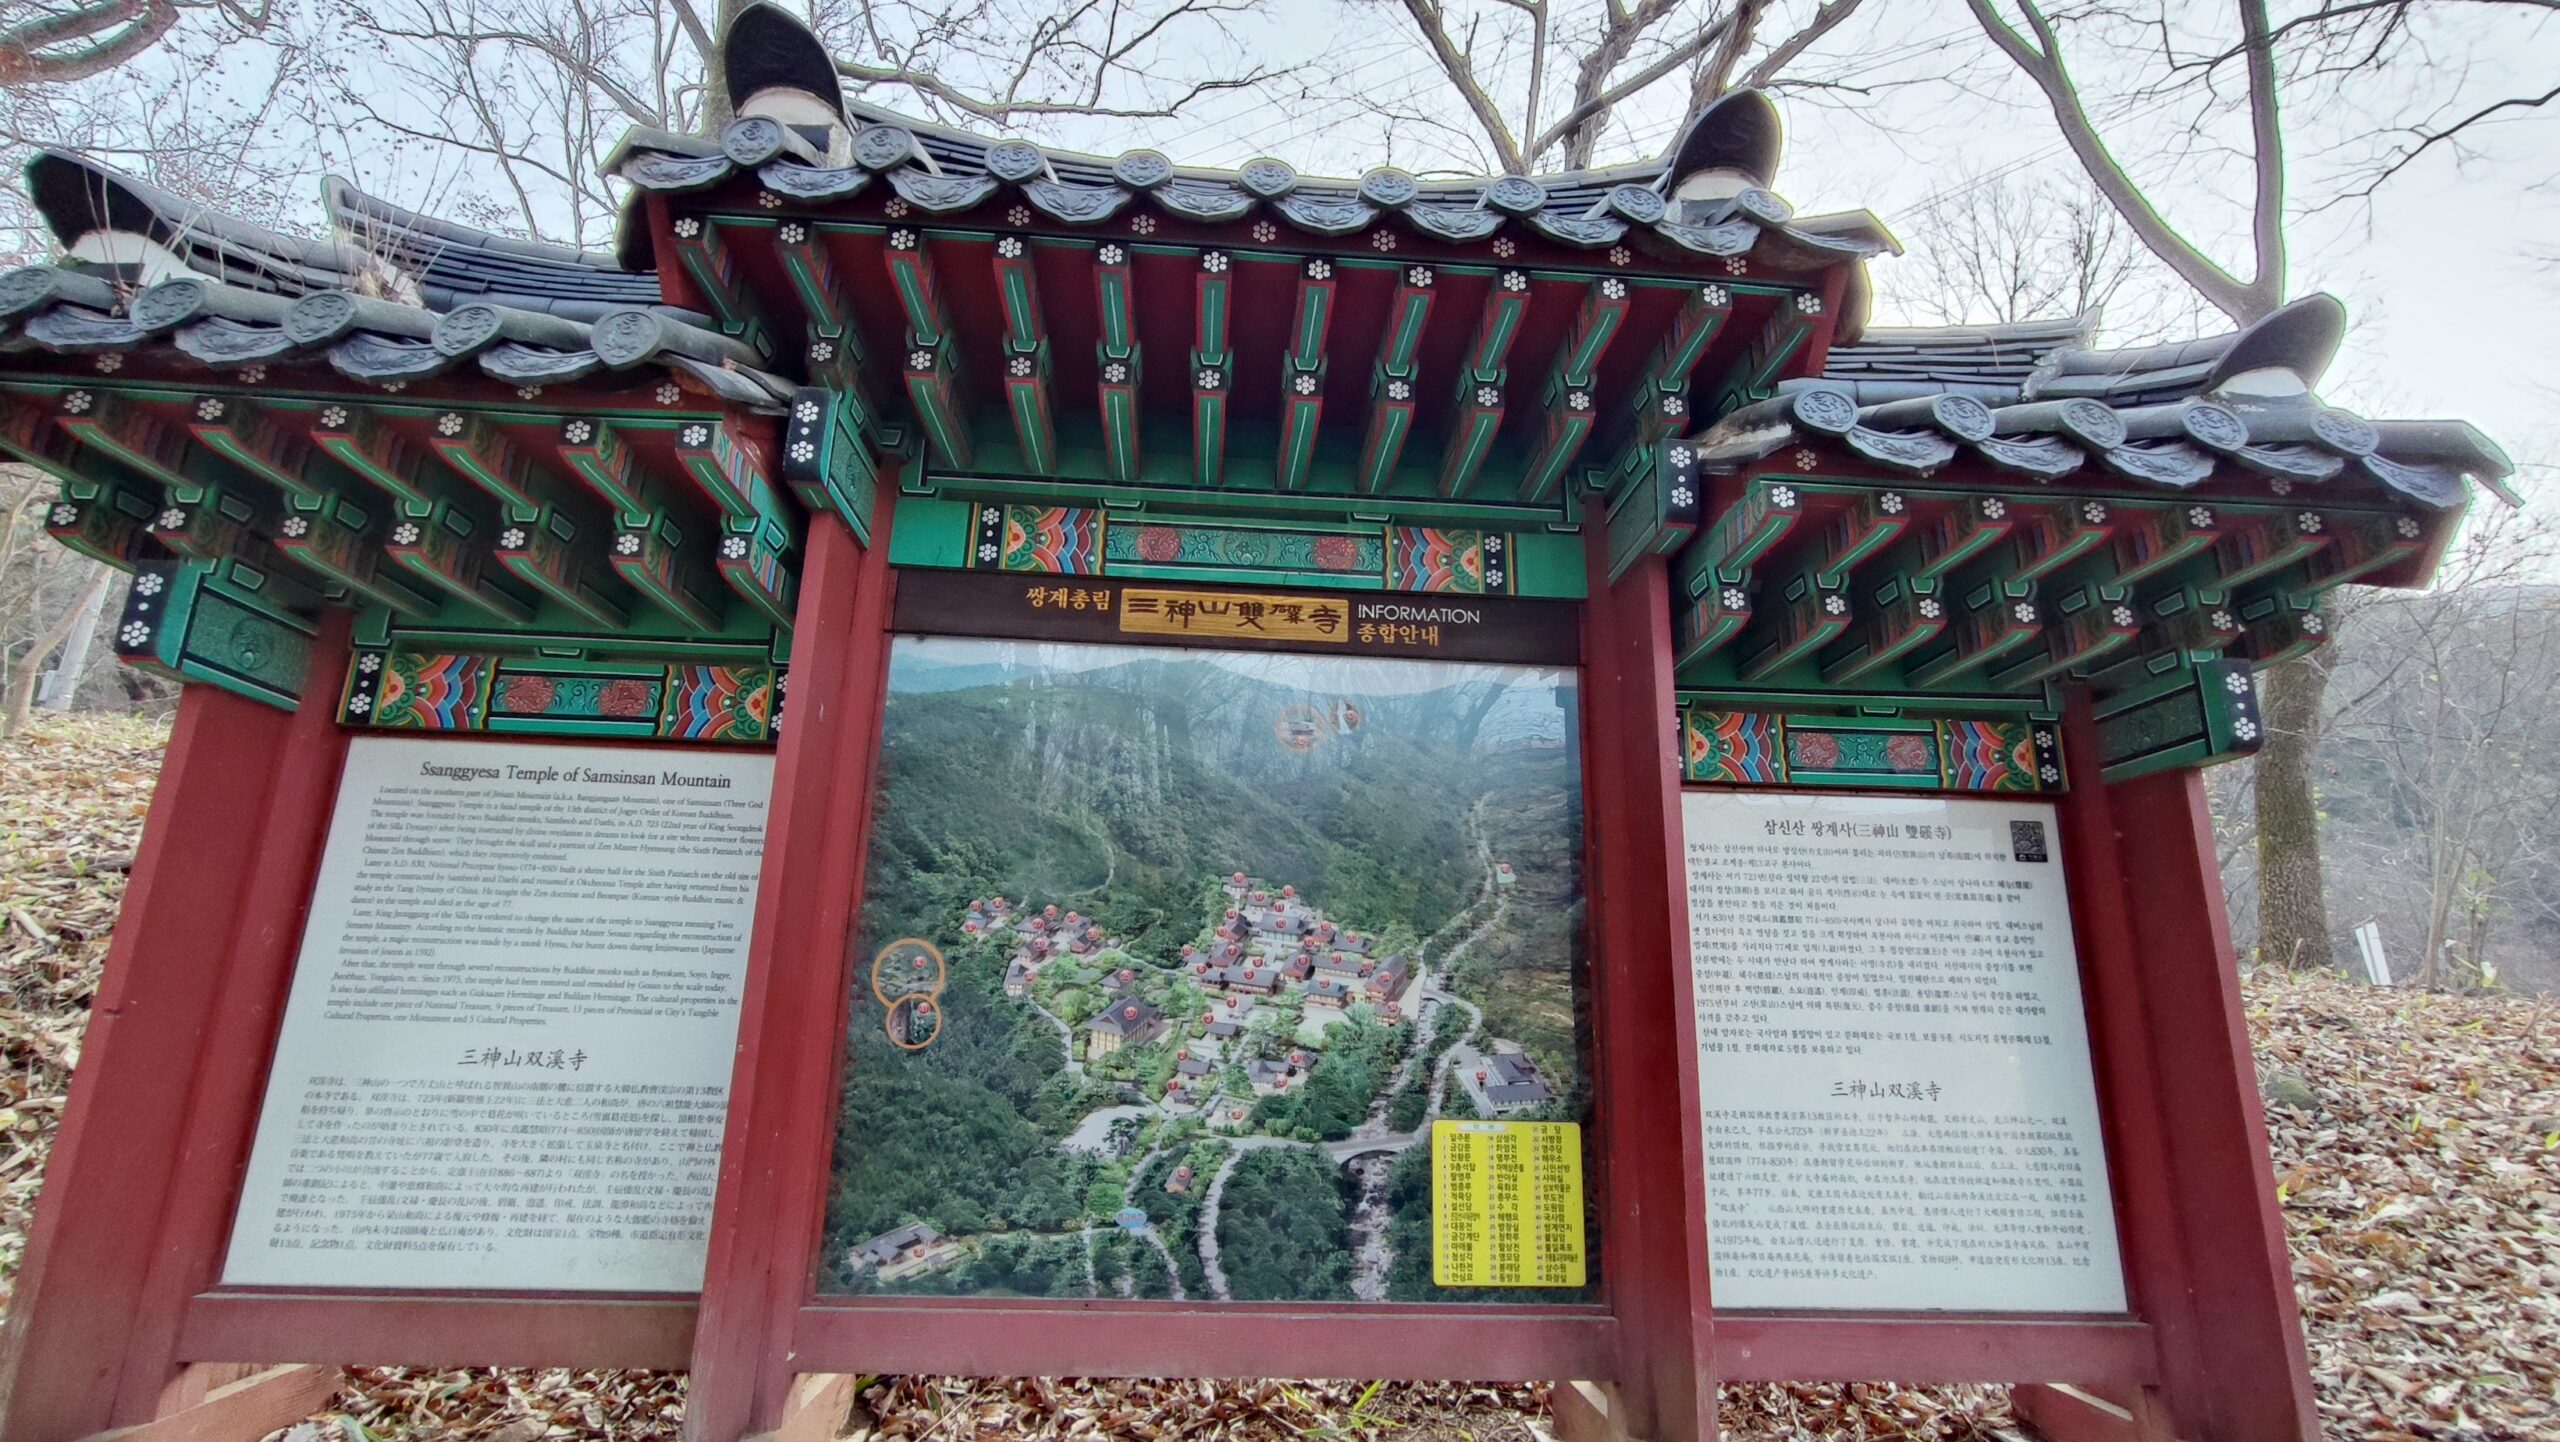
1381 777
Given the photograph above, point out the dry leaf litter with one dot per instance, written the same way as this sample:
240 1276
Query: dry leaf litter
2420 1175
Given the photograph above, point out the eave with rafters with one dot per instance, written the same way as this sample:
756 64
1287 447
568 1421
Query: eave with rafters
1077 365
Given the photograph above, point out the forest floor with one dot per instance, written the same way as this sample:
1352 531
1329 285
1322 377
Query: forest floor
2420 1174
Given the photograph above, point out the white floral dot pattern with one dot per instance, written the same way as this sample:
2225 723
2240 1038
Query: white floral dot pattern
1111 254
1487 397
1208 379
792 232
895 209
172 519
1682 455
2245 729
1809 303
1620 255
360 703
2313 625
1265 232
395 387
1995 509
1215 262
2236 684
768 200
1515 281
296 527
1304 385
2200 517
1783 497
902 240
734 547
1930 610
804 451
1418 276
334 418
687 227
1010 247
1018 215
253 375
526 393
2225 621
1382 240
1736 265
65 514
449 424
1734 599
110 363
2121 615
209 409
2309 521
822 351
405 534
150 585
1504 247
2051 774
580 432
1891 503
2280 486
2024 612
369 664
1399 391
987 551
1319 269
1019 367
1674 405
1577 400
1807 460
511 539
1835 605
1115 373
920 360
2093 512
1613 289
627 544
1682 496
694 438
2408 527
78 402
134 633
1143 224
1716 297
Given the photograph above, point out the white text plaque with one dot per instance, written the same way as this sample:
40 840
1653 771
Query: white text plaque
1893 1063
505 1058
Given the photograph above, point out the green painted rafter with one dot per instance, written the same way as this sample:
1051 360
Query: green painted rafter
1395 380
1026 356
1302 370
1483 379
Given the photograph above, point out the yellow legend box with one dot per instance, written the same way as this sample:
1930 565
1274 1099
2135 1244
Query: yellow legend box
1506 1204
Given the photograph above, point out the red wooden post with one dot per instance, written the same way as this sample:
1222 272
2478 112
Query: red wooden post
2203 1238
213 914
1654 1262
775 1157
2247 1374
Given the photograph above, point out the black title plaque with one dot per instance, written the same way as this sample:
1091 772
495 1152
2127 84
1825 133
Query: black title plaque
1154 613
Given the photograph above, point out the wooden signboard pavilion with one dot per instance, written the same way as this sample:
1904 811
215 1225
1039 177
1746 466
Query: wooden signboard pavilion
1381 779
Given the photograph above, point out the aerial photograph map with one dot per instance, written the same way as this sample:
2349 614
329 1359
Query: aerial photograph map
1170 959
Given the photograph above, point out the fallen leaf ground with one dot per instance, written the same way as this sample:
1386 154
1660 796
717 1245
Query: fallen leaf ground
2421 1193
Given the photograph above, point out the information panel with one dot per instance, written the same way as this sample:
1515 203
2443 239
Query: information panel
1893 1064
505 1058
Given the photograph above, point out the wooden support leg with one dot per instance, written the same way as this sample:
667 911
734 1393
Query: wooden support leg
87 1345
816 1410
240 1410
2246 1377
776 1153
1651 1147
2070 1414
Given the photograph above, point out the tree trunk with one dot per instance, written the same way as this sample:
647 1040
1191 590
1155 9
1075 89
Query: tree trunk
2293 904
22 686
